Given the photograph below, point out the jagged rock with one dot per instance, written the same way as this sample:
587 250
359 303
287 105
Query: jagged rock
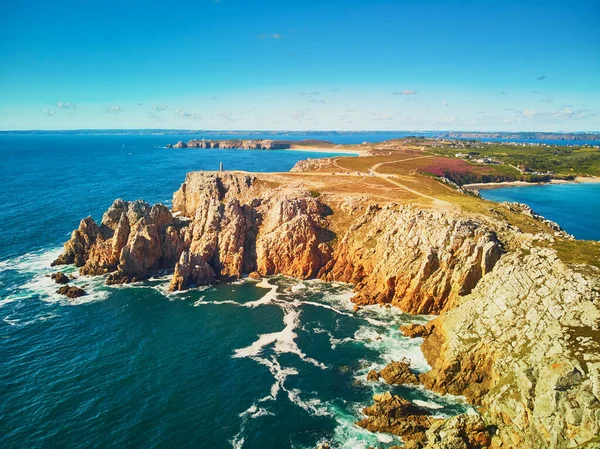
414 330
373 376
180 144
60 278
71 291
418 260
255 275
397 373
393 414
133 240
467 431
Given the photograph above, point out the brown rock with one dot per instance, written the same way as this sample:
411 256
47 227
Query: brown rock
397 373
393 414
60 278
255 275
414 330
418 260
373 376
133 241
71 291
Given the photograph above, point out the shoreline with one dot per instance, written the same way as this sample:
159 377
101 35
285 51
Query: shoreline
498 185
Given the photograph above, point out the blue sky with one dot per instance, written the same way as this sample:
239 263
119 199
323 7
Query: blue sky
346 65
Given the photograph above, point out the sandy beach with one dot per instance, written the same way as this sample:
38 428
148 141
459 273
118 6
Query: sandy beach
496 185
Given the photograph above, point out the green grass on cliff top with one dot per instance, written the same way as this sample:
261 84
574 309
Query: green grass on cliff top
562 160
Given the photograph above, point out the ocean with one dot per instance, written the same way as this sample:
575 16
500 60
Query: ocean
281 364
575 207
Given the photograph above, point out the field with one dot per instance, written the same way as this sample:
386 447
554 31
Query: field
561 160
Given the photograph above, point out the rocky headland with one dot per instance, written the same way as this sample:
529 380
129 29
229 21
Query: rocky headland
250 144
518 331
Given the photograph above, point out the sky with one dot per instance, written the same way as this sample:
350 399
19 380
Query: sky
301 65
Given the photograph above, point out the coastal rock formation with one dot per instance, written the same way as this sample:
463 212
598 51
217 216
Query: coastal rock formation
60 278
233 233
133 240
71 291
524 346
396 415
398 373
229 224
416 259
259 144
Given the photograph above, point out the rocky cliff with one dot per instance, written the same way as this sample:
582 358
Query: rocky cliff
524 345
252 144
518 333
229 225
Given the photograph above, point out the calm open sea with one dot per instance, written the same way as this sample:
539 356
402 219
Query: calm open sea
277 366
575 207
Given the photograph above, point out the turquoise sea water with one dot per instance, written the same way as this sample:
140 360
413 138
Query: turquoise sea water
280 365
575 207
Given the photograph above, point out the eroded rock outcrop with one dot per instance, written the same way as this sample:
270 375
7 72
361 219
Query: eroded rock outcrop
398 373
399 416
525 347
234 232
229 224
133 241
416 259
71 291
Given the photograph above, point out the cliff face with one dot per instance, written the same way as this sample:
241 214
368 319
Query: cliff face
525 346
228 226
415 259
260 144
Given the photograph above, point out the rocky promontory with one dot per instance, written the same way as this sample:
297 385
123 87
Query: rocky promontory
249 144
518 331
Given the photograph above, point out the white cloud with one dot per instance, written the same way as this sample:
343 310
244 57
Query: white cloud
115 109
160 107
49 112
66 105
383 116
529 112
405 92
185 114
299 113
445 104
270 36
